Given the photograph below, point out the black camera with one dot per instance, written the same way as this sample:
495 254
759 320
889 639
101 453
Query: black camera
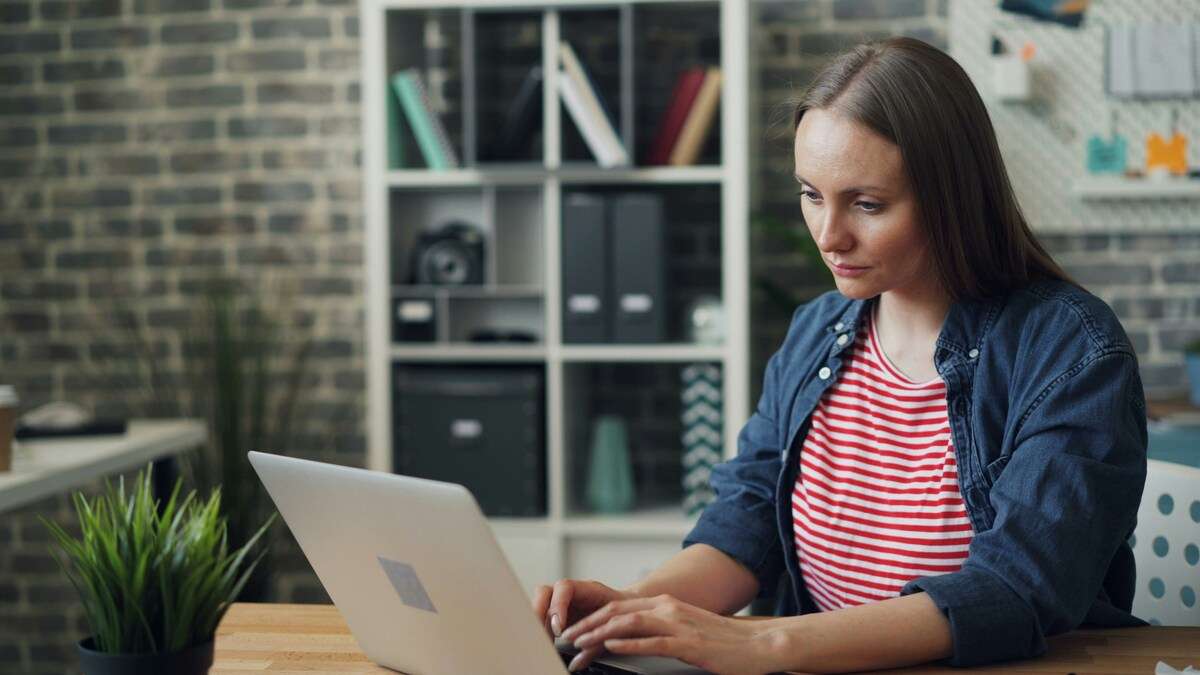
451 255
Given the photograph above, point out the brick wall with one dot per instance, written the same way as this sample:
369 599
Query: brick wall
145 144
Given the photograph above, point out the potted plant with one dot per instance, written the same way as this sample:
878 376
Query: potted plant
1191 358
154 579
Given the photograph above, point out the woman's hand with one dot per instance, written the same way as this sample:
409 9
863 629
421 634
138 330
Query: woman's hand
569 600
665 626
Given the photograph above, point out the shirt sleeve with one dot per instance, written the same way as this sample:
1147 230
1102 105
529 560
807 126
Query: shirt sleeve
1065 499
740 521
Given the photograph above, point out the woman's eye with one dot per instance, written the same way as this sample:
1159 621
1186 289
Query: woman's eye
812 196
870 207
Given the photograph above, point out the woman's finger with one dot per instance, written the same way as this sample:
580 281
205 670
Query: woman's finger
541 605
584 658
560 606
612 609
638 624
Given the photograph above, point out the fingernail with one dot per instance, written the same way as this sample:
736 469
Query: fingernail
556 625
574 663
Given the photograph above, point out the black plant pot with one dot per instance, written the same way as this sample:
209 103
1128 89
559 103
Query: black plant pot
194 660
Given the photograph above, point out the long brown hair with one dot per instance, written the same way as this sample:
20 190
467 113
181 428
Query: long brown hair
920 99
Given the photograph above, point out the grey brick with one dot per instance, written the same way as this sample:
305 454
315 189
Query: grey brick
350 26
275 254
186 64
93 259
341 125
1174 339
140 164
28 289
1181 272
170 6
299 27
15 12
207 96
266 127
322 286
265 60
39 104
143 226
290 92
1103 273
214 224
346 254
877 9
9 593
187 130
26 321
1157 242
177 196
14 74
17 136
110 99
830 42
33 167
209 160
338 59
74 134
90 197
196 257
790 10
295 158
29 42
116 37
83 69
258 4
65 10
342 191
199 32
272 192
1162 376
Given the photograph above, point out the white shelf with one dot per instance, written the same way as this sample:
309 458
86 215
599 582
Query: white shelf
1116 187
652 353
532 175
467 352
544 549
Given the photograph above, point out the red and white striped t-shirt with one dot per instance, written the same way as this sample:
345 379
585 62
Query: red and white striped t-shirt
876 503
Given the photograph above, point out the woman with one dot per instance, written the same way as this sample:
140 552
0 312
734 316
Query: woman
949 451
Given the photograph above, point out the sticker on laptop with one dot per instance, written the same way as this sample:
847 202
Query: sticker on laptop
404 580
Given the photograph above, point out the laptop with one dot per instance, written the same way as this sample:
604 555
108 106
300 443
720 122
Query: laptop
415 570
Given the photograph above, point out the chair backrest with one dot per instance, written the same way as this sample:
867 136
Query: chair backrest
1166 546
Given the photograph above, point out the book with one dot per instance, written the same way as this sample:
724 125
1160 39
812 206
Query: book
591 134
426 126
521 120
699 120
687 85
593 107
395 130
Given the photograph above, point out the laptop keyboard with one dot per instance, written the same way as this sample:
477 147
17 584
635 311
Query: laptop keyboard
596 668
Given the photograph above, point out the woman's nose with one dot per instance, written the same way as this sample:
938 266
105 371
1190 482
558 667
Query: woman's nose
831 233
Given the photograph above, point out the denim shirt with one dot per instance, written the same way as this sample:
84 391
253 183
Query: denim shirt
1048 420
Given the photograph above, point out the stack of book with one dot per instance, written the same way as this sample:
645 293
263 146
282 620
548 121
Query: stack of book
688 118
408 93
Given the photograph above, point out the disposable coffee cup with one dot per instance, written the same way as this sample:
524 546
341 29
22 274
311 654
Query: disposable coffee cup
8 424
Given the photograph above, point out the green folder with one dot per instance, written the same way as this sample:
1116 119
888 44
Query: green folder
418 120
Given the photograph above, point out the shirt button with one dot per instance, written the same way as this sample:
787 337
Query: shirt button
824 373
973 353
839 326
843 339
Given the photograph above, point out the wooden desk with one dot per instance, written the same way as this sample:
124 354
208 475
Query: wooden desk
314 638
49 466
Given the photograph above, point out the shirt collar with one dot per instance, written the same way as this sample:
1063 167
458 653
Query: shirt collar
965 326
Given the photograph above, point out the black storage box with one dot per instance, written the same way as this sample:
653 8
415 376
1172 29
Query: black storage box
482 427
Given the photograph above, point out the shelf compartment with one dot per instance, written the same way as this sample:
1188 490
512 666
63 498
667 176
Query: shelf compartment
572 173
647 396
595 35
505 86
432 41
669 38
691 250
467 353
1110 188
467 317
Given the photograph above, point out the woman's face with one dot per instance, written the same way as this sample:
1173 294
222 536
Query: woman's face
858 207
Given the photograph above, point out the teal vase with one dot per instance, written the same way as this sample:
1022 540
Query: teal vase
610 476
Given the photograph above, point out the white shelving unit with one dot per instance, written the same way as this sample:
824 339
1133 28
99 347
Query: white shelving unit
613 549
1116 187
